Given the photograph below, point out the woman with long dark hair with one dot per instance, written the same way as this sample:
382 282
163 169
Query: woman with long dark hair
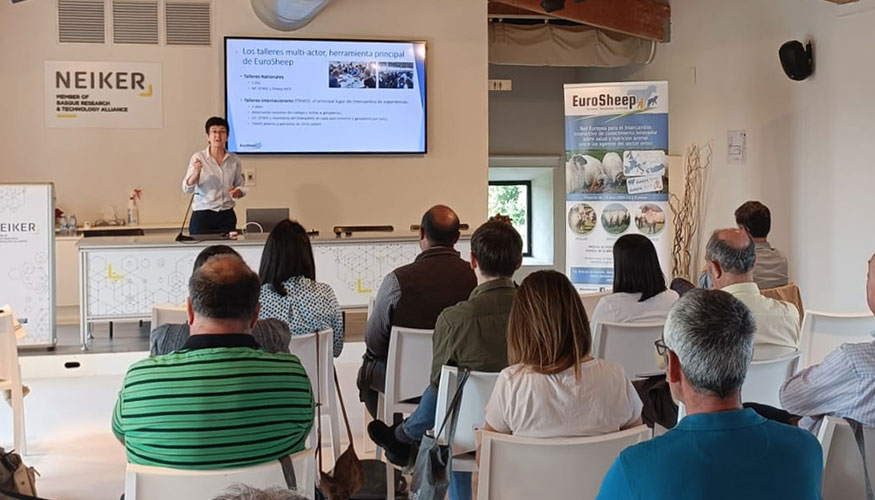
289 290
640 294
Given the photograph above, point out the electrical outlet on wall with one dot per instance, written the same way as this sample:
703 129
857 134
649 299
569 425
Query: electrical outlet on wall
249 177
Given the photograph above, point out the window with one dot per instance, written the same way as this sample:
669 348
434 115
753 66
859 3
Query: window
514 199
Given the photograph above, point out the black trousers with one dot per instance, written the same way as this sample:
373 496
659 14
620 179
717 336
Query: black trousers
210 222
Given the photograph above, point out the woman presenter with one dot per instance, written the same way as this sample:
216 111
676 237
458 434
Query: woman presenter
215 177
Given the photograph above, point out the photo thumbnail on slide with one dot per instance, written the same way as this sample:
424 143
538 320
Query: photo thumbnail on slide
352 75
396 75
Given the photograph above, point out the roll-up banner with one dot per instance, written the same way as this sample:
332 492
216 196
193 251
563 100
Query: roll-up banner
616 175
27 268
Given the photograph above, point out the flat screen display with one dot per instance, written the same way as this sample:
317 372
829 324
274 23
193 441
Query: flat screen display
325 96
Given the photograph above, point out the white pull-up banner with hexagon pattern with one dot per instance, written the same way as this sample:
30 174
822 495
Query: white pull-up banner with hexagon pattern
27 258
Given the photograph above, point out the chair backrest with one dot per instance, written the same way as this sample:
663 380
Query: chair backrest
472 409
765 378
590 300
843 477
408 366
304 347
144 482
9 368
518 467
822 332
162 315
629 344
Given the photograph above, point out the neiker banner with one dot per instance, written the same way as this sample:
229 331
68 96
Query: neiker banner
84 94
616 175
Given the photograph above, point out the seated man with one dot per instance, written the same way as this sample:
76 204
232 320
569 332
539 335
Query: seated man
470 334
221 401
414 295
271 335
770 270
842 385
730 257
719 450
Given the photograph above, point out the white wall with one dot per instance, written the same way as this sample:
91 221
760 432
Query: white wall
808 141
95 167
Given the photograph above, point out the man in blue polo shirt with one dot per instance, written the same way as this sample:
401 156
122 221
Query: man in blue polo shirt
719 450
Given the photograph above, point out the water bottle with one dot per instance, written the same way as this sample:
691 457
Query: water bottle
72 225
62 225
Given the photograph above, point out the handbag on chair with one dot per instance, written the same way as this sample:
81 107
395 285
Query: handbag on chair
433 467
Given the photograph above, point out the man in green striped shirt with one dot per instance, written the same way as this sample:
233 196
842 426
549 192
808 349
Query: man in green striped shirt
220 401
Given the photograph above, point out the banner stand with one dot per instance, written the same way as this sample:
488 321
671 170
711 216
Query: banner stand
616 176
27 269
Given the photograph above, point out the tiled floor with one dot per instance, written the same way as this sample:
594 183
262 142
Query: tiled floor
68 421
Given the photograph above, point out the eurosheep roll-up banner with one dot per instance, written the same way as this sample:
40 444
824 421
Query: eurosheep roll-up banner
27 266
616 175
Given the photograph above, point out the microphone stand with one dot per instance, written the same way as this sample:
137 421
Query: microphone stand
181 237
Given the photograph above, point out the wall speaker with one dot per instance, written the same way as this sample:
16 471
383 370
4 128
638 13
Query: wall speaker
797 61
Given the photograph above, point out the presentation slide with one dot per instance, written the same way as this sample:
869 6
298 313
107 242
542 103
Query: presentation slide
325 96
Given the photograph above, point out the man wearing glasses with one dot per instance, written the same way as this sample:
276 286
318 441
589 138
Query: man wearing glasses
708 345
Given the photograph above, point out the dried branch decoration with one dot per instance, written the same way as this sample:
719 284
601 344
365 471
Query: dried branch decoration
685 212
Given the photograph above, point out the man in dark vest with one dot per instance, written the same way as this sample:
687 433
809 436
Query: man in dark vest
414 295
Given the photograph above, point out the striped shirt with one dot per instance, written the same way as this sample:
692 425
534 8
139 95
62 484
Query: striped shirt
214 408
843 385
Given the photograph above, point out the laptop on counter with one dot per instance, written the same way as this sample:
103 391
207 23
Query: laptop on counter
263 220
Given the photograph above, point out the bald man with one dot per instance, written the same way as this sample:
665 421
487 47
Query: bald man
730 257
414 295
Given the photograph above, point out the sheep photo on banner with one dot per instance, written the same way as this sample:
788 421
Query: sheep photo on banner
616 175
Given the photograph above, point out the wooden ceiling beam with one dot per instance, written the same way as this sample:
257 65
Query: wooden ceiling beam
648 19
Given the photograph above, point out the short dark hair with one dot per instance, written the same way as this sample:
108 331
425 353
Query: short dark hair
498 248
224 288
755 217
216 121
211 250
636 267
443 232
731 259
287 253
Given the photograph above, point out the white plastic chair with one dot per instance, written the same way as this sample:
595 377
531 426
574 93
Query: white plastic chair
304 347
408 373
843 477
590 300
143 482
10 378
822 332
519 468
162 315
629 344
472 412
765 378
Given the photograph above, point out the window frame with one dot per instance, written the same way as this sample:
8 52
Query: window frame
529 218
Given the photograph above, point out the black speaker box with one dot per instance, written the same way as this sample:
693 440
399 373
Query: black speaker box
797 61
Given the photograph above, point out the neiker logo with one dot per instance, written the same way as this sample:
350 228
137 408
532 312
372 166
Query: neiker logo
90 80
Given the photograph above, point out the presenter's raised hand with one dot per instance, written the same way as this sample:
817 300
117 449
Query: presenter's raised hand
235 192
197 165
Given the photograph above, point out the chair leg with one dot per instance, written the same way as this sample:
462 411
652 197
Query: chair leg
335 429
19 438
390 481
110 330
378 452
367 444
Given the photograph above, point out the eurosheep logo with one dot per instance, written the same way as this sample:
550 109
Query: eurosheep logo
635 100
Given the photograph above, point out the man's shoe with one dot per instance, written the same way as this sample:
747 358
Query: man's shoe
384 436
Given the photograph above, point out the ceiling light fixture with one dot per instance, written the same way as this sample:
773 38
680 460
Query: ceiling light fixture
552 5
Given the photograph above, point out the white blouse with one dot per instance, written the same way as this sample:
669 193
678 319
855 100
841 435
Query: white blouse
625 308
526 403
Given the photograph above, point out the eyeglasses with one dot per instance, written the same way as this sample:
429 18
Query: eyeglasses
661 348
